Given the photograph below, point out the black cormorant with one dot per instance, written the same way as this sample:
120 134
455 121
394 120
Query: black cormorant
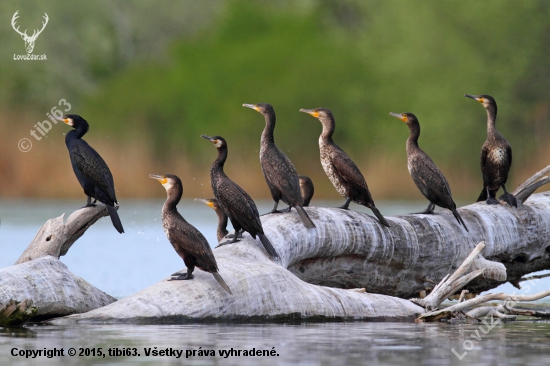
306 189
234 201
90 169
188 242
340 169
279 173
221 231
496 156
425 174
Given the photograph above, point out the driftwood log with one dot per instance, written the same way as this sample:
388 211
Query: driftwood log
344 267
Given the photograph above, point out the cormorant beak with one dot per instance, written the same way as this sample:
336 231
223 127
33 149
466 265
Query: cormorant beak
66 120
252 106
162 179
474 97
213 140
208 203
401 116
311 112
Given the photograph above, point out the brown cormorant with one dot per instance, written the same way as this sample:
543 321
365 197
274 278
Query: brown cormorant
90 169
425 174
221 231
340 169
234 201
306 189
496 156
279 173
188 242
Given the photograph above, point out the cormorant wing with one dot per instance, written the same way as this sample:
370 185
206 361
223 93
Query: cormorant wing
192 241
239 206
347 169
93 167
280 171
426 171
509 152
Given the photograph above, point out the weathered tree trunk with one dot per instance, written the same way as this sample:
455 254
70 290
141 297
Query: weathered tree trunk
53 289
347 250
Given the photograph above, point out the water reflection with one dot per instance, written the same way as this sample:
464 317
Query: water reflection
519 343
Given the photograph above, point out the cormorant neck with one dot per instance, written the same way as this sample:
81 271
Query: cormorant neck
267 135
81 130
222 224
220 160
173 197
414 134
491 117
329 125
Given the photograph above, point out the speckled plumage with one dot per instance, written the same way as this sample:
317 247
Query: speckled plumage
496 155
340 169
234 201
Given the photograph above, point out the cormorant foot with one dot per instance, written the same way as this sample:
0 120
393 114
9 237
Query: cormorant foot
182 277
343 207
271 212
509 199
492 201
178 274
225 242
425 212
89 205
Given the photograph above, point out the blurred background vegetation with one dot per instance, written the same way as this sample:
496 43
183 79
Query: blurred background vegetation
151 76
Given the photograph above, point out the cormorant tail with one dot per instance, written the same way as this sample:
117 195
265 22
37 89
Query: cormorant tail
459 218
305 217
268 247
221 282
379 216
509 199
115 219
482 195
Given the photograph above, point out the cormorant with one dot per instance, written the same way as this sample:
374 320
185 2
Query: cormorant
306 189
90 169
279 173
221 231
496 156
188 242
234 201
425 174
340 169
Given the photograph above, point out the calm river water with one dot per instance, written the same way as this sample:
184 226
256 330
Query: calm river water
124 264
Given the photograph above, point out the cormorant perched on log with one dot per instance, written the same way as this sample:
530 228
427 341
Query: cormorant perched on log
221 231
234 201
90 169
279 173
425 174
340 169
306 189
188 242
496 156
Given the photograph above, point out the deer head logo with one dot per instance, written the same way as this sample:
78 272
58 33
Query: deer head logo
29 40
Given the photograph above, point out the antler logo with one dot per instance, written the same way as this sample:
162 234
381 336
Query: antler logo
29 40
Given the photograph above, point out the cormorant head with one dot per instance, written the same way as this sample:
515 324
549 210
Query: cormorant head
75 121
406 117
168 181
320 113
218 141
487 100
210 202
263 108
